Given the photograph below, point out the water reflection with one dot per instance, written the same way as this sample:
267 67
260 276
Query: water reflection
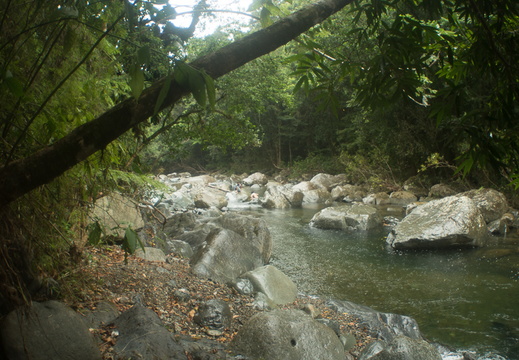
467 299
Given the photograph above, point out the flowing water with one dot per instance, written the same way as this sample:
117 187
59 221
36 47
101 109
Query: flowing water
465 299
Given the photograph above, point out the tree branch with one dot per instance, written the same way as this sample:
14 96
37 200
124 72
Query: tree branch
23 175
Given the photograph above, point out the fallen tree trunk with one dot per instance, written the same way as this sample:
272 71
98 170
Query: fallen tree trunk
21 176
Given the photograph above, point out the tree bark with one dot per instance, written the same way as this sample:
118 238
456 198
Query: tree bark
21 176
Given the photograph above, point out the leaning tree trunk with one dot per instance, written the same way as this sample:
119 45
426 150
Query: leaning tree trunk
21 176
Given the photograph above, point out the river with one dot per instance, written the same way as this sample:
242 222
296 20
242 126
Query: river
466 299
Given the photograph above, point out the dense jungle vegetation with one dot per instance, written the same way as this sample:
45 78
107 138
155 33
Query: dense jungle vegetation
383 90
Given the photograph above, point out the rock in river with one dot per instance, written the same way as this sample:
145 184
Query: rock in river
453 221
347 217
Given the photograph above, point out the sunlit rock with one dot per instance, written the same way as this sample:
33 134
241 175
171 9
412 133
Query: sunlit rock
402 198
347 217
449 222
278 287
492 204
287 335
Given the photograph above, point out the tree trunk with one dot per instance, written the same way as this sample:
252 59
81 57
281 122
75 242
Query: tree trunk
21 176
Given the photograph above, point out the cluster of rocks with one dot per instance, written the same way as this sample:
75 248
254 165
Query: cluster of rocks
190 220
438 217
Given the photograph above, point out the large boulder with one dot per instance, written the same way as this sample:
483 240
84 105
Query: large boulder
453 221
150 254
492 204
254 230
116 212
317 196
347 217
305 186
180 248
282 197
48 330
380 198
210 197
143 336
324 181
214 314
400 348
287 335
384 326
200 181
402 198
273 283
256 178
441 191
177 224
347 193
225 256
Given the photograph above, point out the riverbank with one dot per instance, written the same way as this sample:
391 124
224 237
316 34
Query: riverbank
108 279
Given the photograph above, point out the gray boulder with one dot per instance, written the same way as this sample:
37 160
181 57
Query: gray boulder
116 212
324 181
492 204
254 230
380 198
181 248
151 254
48 330
385 326
287 335
225 256
214 314
282 197
200 181
441 191
142 336
402 198
400 348
104 313
177 224
315 191
347 217
256 178
273 283
348 193
305 186
317 196
197 237
210 197
453 221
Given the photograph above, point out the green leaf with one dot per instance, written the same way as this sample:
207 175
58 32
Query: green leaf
131 240
181 74
143 55
211 90
94 234
197 87
162 94
265 19
136 81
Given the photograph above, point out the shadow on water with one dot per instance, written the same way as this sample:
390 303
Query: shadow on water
465 298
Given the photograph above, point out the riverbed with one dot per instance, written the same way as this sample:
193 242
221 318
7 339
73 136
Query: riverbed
467 299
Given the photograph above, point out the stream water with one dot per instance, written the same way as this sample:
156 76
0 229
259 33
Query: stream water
467 299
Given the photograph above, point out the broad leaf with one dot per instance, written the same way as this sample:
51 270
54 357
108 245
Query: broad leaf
94 234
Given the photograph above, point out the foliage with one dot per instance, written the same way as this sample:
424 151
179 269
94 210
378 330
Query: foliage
457 61
314 164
